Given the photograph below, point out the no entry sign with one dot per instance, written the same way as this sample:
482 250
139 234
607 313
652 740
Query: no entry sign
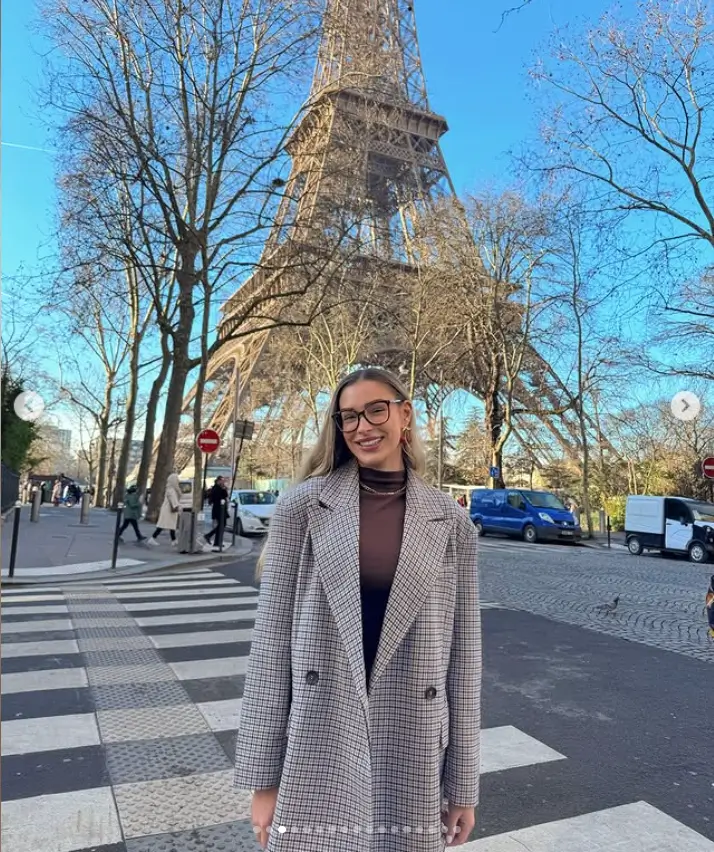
208 441
708 467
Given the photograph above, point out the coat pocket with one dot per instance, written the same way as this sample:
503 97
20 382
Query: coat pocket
444 731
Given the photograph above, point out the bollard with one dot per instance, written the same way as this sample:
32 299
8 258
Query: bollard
15 536
602 520
192 543
608 530
36 503
84 509
221 526
117 526
235 523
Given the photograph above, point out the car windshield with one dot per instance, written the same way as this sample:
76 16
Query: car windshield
702 511
256 498
543 500
186 487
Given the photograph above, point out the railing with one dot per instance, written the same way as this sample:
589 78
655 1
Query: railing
10 487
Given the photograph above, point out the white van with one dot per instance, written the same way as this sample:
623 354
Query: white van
671 525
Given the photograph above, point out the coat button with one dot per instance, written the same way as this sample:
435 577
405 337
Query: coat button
430 693
312 678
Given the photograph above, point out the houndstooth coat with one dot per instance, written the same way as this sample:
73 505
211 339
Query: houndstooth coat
359 772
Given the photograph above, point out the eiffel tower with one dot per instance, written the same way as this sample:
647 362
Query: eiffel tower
368 143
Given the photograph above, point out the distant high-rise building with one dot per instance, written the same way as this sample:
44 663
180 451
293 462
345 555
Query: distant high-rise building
63 437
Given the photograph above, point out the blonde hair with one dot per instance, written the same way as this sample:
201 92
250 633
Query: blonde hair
331 451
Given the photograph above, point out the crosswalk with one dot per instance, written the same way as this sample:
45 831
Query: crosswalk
120 708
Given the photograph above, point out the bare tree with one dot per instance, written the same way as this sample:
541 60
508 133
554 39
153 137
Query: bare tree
632 115
490 266
183 93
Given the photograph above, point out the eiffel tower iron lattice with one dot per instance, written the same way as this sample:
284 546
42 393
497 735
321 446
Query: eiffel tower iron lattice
365 162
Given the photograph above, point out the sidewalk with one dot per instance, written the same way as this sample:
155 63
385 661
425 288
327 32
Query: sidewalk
599 541
59 548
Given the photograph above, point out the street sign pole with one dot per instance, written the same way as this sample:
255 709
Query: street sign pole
236 409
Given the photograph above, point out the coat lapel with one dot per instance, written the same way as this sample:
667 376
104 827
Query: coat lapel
334 529
426 534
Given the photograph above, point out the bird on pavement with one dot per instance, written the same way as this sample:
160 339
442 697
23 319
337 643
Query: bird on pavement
608 608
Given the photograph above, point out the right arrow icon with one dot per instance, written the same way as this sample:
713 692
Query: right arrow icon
686 406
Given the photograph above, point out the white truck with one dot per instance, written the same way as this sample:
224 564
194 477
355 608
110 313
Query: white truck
671 525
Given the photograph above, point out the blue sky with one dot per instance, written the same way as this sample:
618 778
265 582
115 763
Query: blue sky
476 74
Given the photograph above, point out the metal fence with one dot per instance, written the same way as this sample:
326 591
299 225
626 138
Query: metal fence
10 483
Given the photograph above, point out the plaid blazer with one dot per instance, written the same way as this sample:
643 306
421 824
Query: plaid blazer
359 773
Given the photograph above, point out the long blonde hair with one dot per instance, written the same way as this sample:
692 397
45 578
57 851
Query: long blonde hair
331 451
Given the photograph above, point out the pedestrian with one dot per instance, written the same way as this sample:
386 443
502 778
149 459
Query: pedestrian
170 508
132 513
56 492
361 711
218 498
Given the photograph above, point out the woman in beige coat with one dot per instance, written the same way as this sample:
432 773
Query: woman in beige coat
360 720
170 508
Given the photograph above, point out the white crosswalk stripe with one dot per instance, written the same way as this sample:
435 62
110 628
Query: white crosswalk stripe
172 674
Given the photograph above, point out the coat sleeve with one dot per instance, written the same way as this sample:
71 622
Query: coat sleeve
463 754
262 731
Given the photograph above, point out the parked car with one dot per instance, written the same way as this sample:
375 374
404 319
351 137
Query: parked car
531 515
255 509
670 525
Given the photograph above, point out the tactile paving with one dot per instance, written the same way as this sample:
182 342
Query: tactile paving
109 619
122 657
126 696
110 607
129 762
103 631
180 804
229 837
147 723
146 672
127 643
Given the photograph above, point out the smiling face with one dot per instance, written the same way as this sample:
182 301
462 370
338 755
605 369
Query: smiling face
377 444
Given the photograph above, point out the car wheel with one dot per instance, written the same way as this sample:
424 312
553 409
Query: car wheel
239 528
529 534
634 545
698 553
479 528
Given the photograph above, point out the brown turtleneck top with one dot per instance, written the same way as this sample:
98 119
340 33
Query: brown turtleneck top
381 527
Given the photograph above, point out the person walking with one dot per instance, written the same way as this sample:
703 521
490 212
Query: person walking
170 508
360 720
218 498
132 513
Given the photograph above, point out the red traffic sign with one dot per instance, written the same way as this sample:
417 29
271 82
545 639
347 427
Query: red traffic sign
208 441
708 467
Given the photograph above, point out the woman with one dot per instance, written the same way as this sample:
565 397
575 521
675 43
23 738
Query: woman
132 513
361 709
170 508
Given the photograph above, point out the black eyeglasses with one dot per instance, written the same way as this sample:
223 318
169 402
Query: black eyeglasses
376 413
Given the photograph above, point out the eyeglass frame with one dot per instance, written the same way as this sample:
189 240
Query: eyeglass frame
338 414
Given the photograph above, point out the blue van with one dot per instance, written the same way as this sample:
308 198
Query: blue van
531 515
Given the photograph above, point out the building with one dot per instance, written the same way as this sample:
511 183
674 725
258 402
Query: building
58 437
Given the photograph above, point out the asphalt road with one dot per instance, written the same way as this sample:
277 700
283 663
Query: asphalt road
120 703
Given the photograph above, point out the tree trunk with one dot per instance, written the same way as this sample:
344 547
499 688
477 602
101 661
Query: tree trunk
99 493
151 410
129 421
186 278
493 417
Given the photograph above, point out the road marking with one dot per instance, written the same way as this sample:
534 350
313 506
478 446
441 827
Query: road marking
638 827
201 637
62 822
196 603
35 626
197 593
37 649
204 669
197 618
507 748
23 736
43 680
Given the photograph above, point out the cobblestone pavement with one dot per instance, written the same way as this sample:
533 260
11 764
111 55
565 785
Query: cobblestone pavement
661 599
